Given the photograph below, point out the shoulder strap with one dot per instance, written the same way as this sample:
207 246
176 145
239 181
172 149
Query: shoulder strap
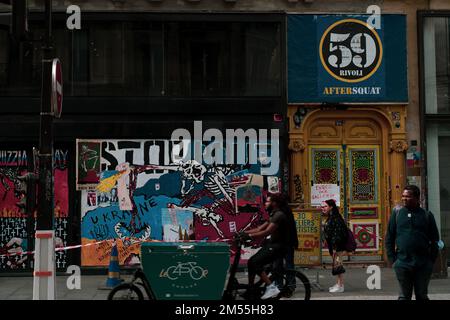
427 217
397 213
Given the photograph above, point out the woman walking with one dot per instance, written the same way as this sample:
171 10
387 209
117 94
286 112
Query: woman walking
336 234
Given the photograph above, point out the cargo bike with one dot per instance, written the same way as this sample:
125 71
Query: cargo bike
198 271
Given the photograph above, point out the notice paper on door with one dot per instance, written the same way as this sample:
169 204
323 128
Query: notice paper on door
322 192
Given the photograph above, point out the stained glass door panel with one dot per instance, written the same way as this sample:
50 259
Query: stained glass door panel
325 165
363 199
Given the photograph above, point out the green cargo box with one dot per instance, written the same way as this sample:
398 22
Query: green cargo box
186 271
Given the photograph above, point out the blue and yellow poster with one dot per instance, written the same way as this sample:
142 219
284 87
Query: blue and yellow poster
344 59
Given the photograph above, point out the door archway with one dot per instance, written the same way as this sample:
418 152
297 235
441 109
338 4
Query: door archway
363 152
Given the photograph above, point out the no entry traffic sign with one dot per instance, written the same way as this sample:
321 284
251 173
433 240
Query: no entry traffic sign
57 88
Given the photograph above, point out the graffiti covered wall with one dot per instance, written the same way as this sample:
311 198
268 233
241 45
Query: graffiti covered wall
13 217
145 192
61 205
16 225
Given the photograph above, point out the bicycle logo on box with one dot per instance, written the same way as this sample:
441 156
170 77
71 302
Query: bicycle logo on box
183 270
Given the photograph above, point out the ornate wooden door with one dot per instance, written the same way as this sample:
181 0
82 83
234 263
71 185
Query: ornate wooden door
356 170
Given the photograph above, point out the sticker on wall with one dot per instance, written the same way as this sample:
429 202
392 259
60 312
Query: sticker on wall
366 235
415 181
177 224
238 178
232 226
273 184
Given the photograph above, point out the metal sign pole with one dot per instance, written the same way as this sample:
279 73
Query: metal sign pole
44 267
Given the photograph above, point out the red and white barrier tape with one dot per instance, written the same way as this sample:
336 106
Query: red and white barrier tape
22 253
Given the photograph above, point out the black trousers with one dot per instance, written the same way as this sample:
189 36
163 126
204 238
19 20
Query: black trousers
266 255
416 278
286 262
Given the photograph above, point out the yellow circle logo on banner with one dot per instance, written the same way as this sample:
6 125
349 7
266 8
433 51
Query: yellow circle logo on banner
350 51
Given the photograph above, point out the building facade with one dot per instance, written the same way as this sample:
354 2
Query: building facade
434 80
138 70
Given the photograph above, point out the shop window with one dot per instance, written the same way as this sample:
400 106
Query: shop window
262 60
118 59
438 172
142 58
21 62
436 44
223 59
4 54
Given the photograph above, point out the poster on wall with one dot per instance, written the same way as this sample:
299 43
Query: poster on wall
322 192
308 231
341 58
88 164
145 192
178 225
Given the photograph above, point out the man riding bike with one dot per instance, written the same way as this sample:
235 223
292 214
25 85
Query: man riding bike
273 249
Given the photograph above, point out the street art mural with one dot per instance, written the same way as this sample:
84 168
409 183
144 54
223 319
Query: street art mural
13 217
146 191
16 225
61 206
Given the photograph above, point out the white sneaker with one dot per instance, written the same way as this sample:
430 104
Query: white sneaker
333 287
271 291
337 289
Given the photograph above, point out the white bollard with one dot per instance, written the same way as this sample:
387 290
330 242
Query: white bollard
44 265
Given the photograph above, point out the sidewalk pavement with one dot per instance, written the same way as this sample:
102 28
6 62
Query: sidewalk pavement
356 286
21 288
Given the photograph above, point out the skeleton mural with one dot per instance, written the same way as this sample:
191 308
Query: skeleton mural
147 191
214 184
213 178
205 214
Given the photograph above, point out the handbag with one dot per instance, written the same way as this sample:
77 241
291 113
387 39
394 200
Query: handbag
338 267
350 245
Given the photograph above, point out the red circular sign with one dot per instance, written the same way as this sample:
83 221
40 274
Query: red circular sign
57 88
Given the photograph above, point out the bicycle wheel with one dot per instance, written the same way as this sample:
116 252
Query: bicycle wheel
170 273
126 291
294 285
197 273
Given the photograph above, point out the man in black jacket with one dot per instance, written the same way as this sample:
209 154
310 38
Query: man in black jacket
411 245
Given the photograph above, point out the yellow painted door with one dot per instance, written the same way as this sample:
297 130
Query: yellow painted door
363 197
356 169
